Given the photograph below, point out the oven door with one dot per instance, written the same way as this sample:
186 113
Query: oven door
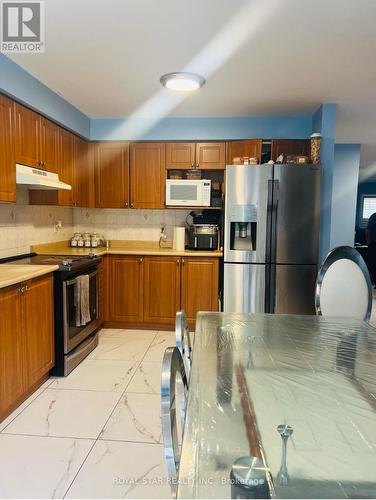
74 335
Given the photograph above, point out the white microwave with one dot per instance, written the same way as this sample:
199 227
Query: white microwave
190 193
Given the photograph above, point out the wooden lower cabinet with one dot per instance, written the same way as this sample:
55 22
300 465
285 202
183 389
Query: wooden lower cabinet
11 381
38 338
147 291
126 289
26 342
161 289
199 286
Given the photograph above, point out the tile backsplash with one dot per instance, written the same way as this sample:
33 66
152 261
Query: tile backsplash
22 225
143 225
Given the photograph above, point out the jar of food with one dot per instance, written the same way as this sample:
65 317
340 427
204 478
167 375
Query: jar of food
74 239
176 174
193 174
253 161
95 240
80 241
245 160
315 148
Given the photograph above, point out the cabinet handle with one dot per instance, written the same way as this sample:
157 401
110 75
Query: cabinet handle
126 204
197 165
77 202
178 262
192 165
183 261
39 163
26 288
131 205
22 289
141 260
43 163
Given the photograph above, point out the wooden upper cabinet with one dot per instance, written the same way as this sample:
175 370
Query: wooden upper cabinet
249 147
148 176
199 285
66 167
290 147
27 136
84 182
112 175
49 145
180 154
7 159
38 336
126 288
11 380
161 289
211 155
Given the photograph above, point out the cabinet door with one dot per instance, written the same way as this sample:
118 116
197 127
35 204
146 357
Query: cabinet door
251 148
290 147
125 284
211 155
161 289
27 136
180 154
11 382
66 167
148 175
7 161
49 145
38 329
112 177
199 286
83 174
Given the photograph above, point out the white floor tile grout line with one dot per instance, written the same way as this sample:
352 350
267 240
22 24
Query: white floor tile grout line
104 425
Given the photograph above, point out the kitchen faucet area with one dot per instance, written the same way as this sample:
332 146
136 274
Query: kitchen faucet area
187 249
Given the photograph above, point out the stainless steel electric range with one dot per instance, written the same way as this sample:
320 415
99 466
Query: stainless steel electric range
72 343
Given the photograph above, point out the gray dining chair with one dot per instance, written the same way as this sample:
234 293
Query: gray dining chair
174 389
183 341
343 286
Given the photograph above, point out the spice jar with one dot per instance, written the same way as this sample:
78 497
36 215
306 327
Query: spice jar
315 148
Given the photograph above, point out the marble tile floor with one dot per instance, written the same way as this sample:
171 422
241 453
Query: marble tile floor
95 433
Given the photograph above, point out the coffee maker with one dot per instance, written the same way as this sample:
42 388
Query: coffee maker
203 230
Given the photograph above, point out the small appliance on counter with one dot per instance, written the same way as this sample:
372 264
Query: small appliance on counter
203 230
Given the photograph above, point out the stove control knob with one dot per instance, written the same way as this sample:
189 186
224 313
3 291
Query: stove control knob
67 262
92 255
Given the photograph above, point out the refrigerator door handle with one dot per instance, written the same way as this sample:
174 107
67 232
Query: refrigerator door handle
274 222
269 213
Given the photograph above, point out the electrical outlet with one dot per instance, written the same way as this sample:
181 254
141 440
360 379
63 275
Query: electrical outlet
57 226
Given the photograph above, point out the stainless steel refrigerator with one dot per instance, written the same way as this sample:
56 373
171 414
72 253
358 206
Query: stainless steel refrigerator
271 236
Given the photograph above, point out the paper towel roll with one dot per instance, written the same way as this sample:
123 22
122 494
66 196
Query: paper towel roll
179 238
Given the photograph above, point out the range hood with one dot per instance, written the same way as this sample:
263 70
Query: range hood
34 178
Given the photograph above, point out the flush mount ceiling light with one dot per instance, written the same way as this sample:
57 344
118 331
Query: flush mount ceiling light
182 81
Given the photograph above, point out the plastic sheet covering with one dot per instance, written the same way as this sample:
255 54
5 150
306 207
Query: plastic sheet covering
251 373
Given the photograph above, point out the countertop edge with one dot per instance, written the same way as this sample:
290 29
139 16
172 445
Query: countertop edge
34 272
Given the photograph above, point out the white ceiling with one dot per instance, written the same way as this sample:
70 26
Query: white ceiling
260 57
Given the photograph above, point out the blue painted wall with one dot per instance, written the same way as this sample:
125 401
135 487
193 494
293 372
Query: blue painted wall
344 194
18 83
287 127
324 121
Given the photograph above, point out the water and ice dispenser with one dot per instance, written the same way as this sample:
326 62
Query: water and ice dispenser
243 227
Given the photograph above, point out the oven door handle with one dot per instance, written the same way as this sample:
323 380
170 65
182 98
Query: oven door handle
72 282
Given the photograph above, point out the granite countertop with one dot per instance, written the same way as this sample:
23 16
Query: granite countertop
121 247
14 273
